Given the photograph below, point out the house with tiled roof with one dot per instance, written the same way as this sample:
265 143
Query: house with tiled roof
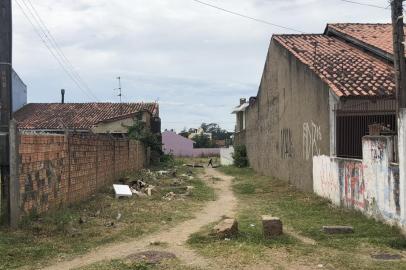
319 94
99 118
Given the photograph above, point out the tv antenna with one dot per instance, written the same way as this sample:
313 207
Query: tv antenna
119 89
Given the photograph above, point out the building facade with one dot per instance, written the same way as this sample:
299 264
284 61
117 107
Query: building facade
318 95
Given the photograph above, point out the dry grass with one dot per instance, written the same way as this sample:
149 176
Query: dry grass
76 230
304 214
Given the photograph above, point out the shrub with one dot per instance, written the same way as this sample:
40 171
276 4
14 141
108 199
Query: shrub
240 156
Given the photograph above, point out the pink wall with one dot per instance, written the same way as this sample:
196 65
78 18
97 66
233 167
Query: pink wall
181 147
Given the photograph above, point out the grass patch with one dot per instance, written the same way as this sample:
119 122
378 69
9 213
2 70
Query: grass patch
305 214
103 219
127 265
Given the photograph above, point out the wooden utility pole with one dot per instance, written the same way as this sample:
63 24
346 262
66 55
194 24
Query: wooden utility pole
5 99
399 52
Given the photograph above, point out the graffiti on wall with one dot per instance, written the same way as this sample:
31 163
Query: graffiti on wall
354 184
377 150
286 144
311 139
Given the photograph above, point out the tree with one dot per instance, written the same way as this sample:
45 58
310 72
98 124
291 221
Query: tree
184 133
140 132
217 132
202 141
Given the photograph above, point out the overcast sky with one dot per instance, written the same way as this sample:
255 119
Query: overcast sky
196 60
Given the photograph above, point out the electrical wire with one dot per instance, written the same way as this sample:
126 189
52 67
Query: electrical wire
248 17
48 34
46 40
365 4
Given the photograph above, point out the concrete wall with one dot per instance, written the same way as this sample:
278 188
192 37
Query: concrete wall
19 92
58 170
370 185
290 122
206 152
226 156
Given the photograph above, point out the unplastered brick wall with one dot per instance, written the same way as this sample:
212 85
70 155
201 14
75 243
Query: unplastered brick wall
58 170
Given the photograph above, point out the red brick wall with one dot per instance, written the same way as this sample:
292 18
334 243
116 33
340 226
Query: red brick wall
57 170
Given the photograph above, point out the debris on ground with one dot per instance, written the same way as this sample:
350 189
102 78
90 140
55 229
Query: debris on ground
158 243
109 224
151 257
272 226
227 228
118 216
195 165
82 220
338 229
386 257
138 193
169 196
122 191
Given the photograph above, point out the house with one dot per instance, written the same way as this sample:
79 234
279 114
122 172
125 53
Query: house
197 132
241 116
99 118
19 90
318 95
179 146
176 145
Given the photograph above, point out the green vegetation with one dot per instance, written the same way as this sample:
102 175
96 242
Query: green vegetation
128 265
240 156
140 132
303 214
103 219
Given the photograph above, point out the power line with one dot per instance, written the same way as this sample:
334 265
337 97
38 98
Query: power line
51 48
248 17
58 48
365 4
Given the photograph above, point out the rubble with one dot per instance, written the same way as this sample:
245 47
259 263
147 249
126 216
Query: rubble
169 196
227 228
272 226
138 193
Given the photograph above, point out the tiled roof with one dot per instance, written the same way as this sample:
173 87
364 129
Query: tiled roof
348 70
75 115
376 35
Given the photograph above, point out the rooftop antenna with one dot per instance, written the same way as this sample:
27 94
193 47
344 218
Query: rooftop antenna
119 89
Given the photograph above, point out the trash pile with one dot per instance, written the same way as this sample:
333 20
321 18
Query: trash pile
146 183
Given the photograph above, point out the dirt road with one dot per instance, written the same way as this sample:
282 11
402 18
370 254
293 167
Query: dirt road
175 238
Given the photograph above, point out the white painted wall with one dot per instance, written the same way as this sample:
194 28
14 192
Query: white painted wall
226 156
326 180
402 161
370 185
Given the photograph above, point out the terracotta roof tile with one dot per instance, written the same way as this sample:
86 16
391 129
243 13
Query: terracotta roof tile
376 35
75 115
348 70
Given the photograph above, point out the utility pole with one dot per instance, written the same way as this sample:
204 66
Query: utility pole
5 100
399 52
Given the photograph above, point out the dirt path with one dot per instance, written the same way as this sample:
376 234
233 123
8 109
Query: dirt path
175 238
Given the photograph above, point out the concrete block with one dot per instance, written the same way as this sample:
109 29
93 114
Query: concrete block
338 229
227 228
272 226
